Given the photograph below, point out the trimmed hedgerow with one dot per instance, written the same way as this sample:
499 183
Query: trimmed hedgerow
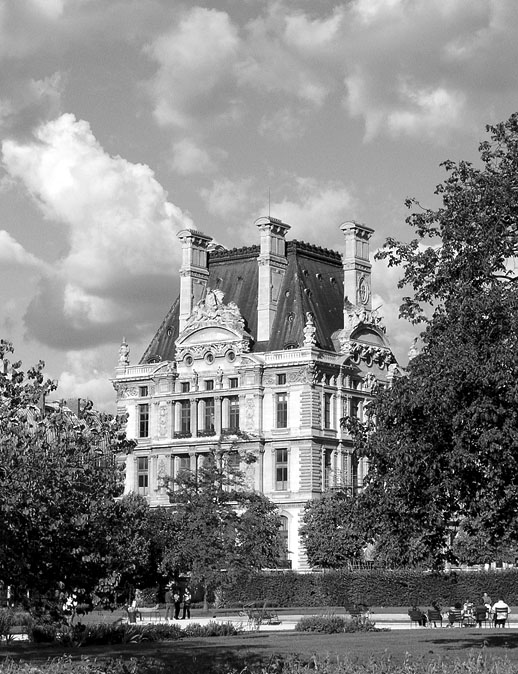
377 587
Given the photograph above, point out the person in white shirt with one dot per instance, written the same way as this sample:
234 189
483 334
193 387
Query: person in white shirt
500 611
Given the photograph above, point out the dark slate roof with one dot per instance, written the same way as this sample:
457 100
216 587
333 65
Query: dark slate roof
313 283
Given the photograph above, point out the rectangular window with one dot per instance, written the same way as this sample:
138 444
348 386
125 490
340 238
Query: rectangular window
184 386
185 416
209 385
233 382
281 469
143 421
281 378
143 391
327 409
281 410
209 414
233 412
184 463
143 475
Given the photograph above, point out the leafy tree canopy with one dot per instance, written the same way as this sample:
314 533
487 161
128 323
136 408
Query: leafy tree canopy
58 480
444 446
216 527
332 530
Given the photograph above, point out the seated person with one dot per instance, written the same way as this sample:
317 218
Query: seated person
416 614
500 612
455 614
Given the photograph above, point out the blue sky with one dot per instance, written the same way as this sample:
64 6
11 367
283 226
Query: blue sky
123 121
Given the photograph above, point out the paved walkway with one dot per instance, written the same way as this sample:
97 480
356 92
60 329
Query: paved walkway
392 621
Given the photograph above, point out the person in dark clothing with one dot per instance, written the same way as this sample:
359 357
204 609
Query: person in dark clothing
177 600
186 604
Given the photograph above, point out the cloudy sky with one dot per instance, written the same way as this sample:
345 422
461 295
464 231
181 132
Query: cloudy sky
123 121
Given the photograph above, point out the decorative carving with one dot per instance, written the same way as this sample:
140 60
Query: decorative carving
250 413
124 352
368 353
369 382
124 390
357 316
211 309
309 331
162 477
162 421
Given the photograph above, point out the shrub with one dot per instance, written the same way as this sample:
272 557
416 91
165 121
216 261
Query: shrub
333 624
212 629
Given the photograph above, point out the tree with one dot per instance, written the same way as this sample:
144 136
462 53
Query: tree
218 529
333 531
58 481
443 441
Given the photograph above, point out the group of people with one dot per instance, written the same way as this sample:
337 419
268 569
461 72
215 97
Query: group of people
175 600
468 614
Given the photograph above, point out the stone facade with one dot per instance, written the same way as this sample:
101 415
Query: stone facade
263 353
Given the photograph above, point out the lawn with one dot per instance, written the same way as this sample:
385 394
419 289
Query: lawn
196 656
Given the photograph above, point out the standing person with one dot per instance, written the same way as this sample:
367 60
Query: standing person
487 601
186 603
177 600
169 602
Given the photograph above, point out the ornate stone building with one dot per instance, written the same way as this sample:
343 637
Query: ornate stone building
264 351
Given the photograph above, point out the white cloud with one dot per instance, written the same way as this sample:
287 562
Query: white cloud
426 69
26 103
85 376
317 210
13 253
122 229
194 60
284 124
228 198
189 158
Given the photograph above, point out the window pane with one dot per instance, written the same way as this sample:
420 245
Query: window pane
185 417
233 412
282 410
281 469
209 414
143 421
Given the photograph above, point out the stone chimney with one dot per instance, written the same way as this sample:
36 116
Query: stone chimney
272 267
357 268
194 271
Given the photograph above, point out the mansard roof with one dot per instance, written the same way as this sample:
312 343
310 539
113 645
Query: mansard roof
313 283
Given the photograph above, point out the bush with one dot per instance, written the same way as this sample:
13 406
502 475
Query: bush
212 629
333 624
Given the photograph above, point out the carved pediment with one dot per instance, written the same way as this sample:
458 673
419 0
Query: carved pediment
215 325
211 310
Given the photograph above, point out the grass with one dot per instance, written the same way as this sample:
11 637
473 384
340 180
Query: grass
204 655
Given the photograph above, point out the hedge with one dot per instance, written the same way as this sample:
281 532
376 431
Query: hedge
376 587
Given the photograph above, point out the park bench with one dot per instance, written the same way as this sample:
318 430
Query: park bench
434 617
151 612
455 617
257 616
357 610
416 617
